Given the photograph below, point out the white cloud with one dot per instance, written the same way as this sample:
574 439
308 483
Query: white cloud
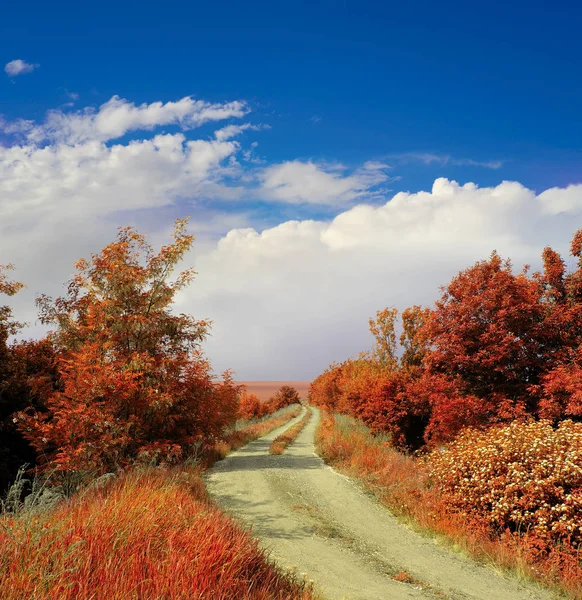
19 67
118 116
231 131
95 179
557 201
299 182
289 300
444 159
64 199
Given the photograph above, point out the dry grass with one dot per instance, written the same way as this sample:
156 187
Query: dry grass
403 484
148 535
240 437
280 443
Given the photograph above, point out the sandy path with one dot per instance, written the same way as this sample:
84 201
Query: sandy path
322 524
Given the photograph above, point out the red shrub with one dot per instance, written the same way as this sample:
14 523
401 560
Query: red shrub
250 407
284 396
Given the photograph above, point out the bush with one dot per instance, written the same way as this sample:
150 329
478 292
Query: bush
284 396
250 407
524 478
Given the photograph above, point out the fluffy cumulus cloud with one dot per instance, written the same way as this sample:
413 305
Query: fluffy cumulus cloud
18 67
67 182
289 300
299 182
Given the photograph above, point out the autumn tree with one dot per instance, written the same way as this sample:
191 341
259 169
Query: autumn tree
250 407
284 396
414 337
561 386
487 331
325 389
135 385
383 328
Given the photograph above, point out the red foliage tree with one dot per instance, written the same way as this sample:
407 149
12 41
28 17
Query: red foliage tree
284 396
383 328
251 407
487 332
414 337
135 384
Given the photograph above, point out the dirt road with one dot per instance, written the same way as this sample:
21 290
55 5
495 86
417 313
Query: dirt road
322 524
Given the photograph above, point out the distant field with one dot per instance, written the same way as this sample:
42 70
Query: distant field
265 389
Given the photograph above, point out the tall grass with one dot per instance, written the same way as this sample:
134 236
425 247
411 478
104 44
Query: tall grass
402 483
240 437
150 534
280 443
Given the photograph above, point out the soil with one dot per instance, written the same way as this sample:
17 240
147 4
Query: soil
324 526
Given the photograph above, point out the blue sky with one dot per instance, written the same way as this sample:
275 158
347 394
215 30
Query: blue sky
486 81
343 105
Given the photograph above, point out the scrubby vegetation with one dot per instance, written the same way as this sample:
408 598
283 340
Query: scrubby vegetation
486 391
251 407
280 443
151 533
422 490
121 389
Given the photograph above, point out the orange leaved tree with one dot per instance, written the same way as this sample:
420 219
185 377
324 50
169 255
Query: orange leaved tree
284 396
135 385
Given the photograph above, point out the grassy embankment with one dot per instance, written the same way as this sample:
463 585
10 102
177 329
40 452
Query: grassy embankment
280 443
403 483
149 534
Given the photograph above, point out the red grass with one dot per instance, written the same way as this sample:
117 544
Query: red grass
402 483
149 535
280 443
241 437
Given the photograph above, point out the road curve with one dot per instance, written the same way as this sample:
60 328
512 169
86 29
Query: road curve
323 525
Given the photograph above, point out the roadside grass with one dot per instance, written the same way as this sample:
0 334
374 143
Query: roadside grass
280 443
402 483
149 534
240 437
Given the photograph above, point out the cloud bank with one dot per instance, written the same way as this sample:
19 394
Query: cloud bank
286 300
291 299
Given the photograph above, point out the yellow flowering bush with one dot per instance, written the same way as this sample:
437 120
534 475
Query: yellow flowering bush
523 478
